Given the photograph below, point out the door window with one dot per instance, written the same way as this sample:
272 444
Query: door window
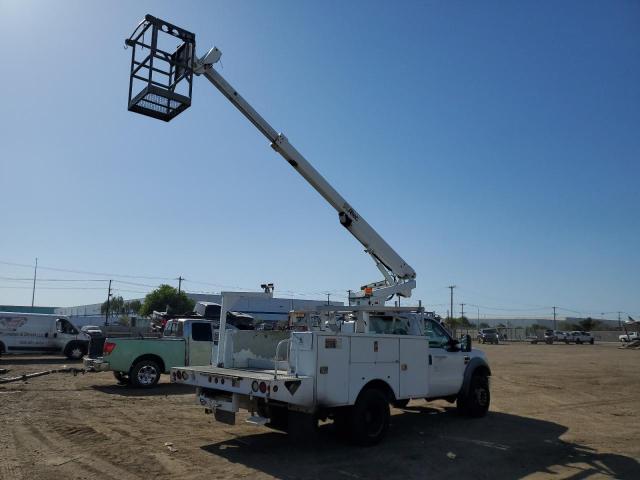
64 326
201 332
438 337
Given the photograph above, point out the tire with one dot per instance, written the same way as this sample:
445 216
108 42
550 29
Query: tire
592 341
370 418
302 427
578 341
75 350
342 422
145 374
121 377
278 417
401 403
477 400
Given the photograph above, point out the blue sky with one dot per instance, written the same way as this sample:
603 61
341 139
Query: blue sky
494 145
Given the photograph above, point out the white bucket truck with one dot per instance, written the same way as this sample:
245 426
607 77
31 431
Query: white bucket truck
349 363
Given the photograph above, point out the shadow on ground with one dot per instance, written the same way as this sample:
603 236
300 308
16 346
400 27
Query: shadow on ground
160 389
12 360
422 443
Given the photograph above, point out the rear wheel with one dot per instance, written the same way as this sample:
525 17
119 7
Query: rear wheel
302 427
370 419
121 377
145 374
591 341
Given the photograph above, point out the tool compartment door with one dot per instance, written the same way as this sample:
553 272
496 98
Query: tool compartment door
332 370
414 369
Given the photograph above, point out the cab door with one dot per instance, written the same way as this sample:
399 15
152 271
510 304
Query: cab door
64 333
199 343
446 363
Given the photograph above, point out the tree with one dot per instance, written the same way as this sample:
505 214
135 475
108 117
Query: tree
134 306
588 324
166 297
537 326
464 322
116 306
483 325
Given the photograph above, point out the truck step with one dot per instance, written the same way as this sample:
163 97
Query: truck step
257 420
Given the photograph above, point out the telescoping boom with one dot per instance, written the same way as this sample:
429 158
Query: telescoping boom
160 100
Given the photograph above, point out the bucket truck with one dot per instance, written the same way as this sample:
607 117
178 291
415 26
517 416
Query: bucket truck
346 363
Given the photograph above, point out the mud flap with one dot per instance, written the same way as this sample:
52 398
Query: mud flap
224 416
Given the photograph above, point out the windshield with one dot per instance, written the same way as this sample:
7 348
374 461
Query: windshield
437 335
489 330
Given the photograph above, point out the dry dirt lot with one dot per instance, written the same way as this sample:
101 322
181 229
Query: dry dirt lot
566 411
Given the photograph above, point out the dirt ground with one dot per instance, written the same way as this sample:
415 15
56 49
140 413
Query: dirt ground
565 411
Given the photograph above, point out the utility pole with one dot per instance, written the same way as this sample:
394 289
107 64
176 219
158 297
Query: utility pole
462 310
106 316
349 297
478 317
328 296
451 287
554 319
180 284
35 274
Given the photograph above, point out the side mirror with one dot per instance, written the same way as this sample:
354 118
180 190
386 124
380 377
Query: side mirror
466 343
453 345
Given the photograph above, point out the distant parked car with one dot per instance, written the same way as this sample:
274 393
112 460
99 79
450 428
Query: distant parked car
488 335
629 337
578 337
551 336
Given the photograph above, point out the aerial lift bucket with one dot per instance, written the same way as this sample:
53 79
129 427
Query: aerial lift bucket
161 78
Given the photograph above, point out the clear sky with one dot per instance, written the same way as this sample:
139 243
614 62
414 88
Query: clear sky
494 145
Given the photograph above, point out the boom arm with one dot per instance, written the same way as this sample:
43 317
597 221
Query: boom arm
399 277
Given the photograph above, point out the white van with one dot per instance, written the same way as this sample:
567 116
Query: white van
38 333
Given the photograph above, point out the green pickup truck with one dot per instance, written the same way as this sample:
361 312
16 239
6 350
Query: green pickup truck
141 361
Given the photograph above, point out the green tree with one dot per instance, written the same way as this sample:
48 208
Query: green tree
116 306
588 324
537 326
484 325
166 297
134 306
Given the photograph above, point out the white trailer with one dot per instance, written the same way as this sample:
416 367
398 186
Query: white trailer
40 333
350 362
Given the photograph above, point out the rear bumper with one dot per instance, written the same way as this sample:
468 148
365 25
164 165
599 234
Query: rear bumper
95 364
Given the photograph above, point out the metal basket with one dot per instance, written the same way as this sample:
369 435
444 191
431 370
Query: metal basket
160 83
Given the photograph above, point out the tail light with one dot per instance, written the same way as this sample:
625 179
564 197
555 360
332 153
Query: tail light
263 387
108 348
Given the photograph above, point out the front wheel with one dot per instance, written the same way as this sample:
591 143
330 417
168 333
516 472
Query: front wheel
370 418
145 374
475 403
75 351
591 341
401 403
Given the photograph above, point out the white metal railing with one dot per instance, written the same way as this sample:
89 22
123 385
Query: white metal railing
275 359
